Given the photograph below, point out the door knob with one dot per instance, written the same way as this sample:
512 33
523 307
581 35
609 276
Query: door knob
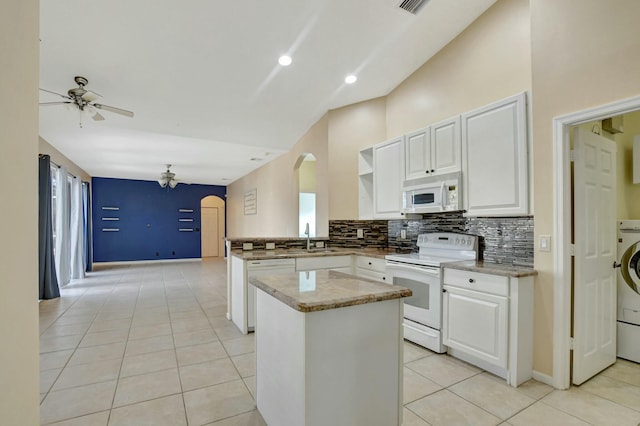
616 265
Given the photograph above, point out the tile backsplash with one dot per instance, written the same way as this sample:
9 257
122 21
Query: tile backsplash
507 240
344 233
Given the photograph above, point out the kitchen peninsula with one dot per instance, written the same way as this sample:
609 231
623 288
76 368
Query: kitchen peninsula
328 349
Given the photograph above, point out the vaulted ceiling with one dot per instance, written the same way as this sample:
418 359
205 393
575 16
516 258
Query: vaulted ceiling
203 78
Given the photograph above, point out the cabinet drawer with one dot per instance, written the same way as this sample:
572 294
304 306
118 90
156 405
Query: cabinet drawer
322 262
477 281
371 263
366 273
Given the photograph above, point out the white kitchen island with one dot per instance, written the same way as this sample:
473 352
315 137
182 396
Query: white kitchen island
328 350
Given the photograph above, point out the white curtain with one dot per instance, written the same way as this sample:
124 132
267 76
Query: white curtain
63 245
76 230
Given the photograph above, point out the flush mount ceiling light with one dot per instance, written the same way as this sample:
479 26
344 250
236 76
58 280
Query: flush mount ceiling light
168 179
350 79
285 60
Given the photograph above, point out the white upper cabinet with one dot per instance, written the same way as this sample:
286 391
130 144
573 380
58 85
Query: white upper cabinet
433 150
417 154
388 172
494 159
446 146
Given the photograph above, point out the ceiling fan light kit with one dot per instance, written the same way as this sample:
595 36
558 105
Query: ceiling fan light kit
84 101
168 179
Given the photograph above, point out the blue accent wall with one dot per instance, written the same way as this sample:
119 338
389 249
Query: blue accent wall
148 219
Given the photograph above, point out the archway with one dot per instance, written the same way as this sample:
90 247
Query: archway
212 221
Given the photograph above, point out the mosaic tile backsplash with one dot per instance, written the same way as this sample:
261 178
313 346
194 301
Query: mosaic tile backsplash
343 233
507 240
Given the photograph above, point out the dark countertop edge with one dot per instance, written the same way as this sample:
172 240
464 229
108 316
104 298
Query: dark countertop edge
398 293
295 253
492 268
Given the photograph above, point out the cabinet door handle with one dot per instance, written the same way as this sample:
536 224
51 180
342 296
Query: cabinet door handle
444 290
369 263
427 171
432 170
471 281
384 278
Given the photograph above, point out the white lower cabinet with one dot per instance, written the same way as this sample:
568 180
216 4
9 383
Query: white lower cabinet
488 322
476 323
335 263
243 294
371 267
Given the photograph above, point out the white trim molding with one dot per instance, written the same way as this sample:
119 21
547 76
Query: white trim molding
562 230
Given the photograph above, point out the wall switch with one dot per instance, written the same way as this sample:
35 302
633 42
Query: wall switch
247 246
270 246
544 242
403 234
360 233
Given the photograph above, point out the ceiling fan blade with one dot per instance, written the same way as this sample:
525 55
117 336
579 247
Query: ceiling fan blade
90 96
114 109
97 116
54 103
55 93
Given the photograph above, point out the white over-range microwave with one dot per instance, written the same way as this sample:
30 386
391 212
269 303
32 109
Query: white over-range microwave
432 194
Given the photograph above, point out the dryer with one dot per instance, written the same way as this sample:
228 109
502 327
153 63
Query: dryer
629 290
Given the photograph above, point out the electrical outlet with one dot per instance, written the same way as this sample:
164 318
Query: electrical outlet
360 233
544 242
319 244
270 246
403 234
247 246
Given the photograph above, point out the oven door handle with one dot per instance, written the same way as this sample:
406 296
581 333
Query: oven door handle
443 201
391 267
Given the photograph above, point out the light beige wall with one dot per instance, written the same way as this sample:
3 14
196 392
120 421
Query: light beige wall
57 157
277 187
584 54
351 129
488 61
628 192
307 176
19 374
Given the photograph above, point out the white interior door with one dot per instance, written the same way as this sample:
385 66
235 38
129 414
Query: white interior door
209 231
594 302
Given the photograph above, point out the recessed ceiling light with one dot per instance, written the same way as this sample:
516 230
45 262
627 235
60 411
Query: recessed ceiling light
284 60
350 79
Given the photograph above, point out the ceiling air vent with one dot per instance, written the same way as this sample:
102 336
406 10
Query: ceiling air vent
412 6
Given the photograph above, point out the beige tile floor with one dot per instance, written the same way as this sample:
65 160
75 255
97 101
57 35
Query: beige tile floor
150 345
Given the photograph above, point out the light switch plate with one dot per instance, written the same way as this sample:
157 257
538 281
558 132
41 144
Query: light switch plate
270 246
360 233
403 234
544 242
247 246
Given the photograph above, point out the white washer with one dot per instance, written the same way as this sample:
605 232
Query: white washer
629 290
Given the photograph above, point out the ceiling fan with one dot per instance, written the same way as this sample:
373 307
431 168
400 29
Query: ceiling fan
84 101
168 178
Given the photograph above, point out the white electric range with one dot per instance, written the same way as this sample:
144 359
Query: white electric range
420 272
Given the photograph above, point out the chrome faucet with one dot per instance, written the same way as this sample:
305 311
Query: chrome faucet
307 233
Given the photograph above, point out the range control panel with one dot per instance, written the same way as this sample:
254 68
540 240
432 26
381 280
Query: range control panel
448 241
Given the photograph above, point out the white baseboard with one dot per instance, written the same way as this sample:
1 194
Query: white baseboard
143 262
543 378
